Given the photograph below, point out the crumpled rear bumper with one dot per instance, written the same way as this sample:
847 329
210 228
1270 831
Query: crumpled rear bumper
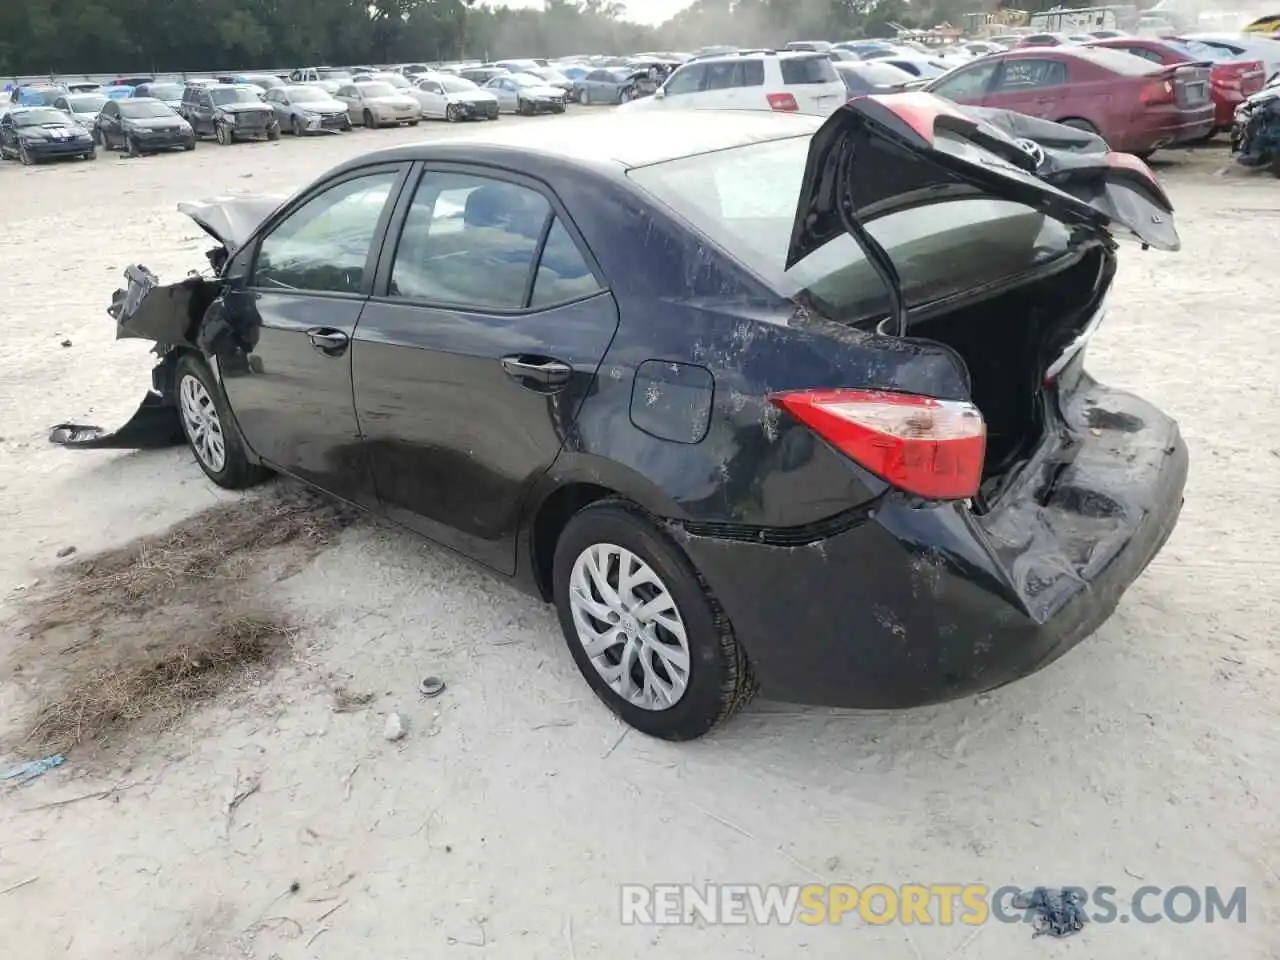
914 605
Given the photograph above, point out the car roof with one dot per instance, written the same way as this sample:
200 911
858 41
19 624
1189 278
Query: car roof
622 140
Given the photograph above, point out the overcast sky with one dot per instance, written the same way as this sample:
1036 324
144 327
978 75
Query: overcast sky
641 11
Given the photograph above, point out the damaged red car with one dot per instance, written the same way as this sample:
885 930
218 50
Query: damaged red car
754 400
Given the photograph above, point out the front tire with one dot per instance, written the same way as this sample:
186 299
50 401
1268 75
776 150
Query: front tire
222 134
645 632
25 155
273 132
368 120
209 428
452 114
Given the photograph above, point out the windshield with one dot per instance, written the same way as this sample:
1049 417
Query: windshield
38 117
86 103
527 81
265 81
326 74
225 95
306 94
744 200
144 109
43 98
1197 50
454 84
165 91
376 88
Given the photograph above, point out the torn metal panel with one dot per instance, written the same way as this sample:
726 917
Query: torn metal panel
154 425
231 220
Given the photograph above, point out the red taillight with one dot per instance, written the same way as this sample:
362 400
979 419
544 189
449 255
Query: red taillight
783 103
927 447
1157 92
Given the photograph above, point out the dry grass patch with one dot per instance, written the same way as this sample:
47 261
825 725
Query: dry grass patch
134 636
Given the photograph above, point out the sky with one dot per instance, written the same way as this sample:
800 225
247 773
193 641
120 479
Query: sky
651 12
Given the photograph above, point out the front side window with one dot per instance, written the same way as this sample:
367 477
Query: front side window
470 241
719 76
1029 74
685 80
968 84
323 246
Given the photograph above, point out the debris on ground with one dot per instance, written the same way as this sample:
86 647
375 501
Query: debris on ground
395 728
242 791
141 632
431 687
31 769
66 552
66 343
1058 913
345 701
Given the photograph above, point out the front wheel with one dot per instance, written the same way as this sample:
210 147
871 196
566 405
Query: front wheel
368 120
25 155
452 114
273 132
210 431
222 134
645 632
295 127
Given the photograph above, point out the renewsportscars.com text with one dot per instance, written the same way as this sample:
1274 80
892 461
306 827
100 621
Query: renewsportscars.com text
923 904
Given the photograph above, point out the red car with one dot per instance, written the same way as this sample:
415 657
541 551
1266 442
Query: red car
1135 105
1231 81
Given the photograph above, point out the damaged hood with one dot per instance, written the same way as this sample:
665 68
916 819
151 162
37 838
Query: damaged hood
231 220
1065 173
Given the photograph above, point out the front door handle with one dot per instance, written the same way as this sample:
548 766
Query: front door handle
544 371
330 342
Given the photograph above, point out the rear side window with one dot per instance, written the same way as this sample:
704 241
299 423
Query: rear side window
807 70
1117 61
563 274
750 73
1025 74
720 76
1144 53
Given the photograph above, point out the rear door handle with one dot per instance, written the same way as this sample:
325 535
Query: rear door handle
330 342
545 371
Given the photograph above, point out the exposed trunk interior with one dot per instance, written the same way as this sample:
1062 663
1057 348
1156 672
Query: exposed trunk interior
1008 343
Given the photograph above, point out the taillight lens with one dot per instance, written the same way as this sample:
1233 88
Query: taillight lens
1157 92
783 103
927 447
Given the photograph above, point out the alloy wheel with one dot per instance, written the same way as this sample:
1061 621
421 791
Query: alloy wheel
629 626
204 428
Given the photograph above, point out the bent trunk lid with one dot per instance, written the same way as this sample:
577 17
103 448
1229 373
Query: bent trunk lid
1065 173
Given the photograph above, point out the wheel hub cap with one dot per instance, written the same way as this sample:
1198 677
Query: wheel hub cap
203 427
629 626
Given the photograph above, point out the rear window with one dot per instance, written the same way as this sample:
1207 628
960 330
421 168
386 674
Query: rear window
882 74
944 239
802 70
1117 61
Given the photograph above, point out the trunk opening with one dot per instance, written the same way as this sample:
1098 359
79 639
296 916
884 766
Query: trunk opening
1008 343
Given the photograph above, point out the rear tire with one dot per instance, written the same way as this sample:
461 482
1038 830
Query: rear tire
210 429
718 679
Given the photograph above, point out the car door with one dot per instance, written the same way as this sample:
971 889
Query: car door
350 98
1033 86
969 84
469 365
507 93
432 97
295 296
109 125
279 101
593 85
718 90
8 136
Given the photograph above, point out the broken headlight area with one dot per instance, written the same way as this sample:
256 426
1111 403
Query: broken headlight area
186 316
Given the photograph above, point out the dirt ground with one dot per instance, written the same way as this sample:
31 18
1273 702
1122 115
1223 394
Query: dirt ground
503 823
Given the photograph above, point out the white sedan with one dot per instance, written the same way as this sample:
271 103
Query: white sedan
445 97
376 103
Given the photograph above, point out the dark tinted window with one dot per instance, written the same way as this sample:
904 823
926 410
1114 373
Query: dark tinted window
1024 74
38 116
469 241
719 76
324 244
144 109
1142 52
750 73
563 274
881 74
798 70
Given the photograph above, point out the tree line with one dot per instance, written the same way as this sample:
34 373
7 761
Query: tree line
130 36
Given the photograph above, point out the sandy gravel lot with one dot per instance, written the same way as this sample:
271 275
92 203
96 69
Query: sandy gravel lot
503 824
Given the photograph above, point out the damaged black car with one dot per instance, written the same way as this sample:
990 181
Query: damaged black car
755 400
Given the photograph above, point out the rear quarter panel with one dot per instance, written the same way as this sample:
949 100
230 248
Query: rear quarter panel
690 315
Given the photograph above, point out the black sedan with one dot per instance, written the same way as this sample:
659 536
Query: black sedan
665 378
35 134
141 125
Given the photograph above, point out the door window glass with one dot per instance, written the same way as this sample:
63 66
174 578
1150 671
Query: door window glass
469 241
685 80
750 74
563 274
1028 74
719 76
323 246
968 84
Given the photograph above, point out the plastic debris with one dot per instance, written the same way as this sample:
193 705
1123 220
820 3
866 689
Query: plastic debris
431 686
395 727
31 769
1057 913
